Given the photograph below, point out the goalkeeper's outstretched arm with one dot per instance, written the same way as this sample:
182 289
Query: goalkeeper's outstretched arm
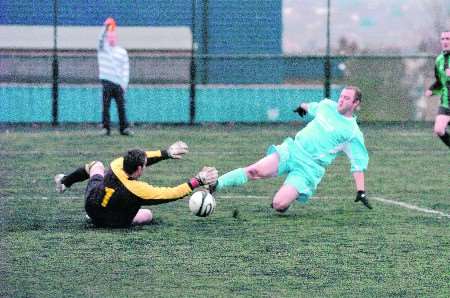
175 151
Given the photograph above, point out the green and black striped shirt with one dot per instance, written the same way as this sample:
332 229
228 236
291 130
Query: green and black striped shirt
442 84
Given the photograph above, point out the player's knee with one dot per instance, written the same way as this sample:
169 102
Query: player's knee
144 216
90 165
98 165
95 168
440 131
253 172
280 206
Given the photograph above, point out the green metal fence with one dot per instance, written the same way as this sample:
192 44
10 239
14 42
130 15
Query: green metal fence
22 104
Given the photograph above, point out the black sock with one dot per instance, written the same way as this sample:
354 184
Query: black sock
76 176
445 138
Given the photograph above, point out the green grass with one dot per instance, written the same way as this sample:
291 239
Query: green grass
327 248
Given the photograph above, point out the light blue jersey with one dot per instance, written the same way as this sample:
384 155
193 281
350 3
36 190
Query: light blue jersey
330 133
305 158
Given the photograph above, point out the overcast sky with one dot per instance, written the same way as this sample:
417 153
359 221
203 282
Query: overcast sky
373 24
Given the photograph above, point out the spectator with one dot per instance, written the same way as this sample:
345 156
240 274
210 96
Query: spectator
114 74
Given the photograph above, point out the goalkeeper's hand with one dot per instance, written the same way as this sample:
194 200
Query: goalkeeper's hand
300 111
177 150
361 197
208 175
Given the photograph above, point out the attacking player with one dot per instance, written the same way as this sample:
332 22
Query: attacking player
441 87
304 159
115 199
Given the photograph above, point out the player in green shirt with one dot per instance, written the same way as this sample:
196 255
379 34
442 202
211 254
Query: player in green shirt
441 87
304 158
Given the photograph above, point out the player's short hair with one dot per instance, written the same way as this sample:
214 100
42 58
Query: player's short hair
133 159
358 93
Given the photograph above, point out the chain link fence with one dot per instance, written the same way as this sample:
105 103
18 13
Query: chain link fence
234 67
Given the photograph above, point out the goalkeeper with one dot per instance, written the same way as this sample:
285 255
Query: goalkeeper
115 199
304 158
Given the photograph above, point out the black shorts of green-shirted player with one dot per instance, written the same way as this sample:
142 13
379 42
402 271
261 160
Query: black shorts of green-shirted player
114 199
441 87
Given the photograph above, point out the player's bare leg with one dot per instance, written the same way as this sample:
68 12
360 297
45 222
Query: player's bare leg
284 197
440 128
143 217
83 173
266 167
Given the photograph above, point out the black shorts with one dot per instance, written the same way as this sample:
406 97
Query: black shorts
101 216
443 111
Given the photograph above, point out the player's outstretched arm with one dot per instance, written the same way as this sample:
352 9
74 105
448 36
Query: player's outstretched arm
360 189
175 151
152 195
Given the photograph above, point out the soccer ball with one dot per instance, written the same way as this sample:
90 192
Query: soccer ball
202 203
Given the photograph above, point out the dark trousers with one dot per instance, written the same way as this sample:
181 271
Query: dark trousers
111 90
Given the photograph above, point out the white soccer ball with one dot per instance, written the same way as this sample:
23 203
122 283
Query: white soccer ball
202 203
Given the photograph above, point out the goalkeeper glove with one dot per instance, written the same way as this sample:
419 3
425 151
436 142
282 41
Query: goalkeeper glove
208 175
300 111
177 150
361 197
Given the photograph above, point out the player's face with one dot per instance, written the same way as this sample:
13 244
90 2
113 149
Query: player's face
445 41
112 38
346 103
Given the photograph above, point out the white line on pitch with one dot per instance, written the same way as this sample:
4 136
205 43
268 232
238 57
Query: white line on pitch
242 197
385 201
381 200
411 207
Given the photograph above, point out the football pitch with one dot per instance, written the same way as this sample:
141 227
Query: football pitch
328 247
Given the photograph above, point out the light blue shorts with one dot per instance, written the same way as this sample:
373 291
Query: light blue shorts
303 173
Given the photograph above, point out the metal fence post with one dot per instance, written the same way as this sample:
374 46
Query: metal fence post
55 66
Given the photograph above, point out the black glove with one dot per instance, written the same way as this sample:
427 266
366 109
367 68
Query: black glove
361 196
300 111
